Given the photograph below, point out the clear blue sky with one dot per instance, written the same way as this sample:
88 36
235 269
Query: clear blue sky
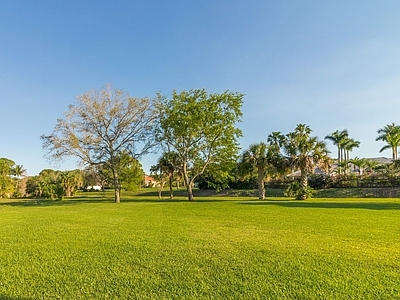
329 64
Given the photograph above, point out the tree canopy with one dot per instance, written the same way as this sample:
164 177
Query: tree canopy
201 128
391 135
100 127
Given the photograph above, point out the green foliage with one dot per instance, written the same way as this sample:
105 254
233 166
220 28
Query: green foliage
391 135
320 181
305 153
7 186
225 249
217 176
263 160
344 144
131 172
51 184
296 190
168 167
201 129
70 181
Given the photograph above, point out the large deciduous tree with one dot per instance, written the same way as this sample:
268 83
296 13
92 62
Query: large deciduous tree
102 125
201 128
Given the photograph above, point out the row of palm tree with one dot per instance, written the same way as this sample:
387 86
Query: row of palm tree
295 151
344 144
389 134
304 152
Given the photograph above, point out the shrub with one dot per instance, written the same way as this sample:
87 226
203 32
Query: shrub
297 191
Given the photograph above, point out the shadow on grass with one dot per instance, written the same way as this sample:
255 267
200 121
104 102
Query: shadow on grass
340 205
84 200
47 202
5 297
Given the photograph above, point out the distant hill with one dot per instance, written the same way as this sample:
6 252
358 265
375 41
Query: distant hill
381 160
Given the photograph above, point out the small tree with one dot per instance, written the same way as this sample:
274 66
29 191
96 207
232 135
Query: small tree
265 159
131 171
170 165
71 181
256 159
200 128
102 125
160 174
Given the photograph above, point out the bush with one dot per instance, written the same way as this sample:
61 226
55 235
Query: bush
297 191
320 181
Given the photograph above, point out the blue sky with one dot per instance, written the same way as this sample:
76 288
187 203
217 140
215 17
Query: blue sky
329 64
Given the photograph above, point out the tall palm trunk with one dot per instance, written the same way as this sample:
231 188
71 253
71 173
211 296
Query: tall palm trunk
260 182
303 185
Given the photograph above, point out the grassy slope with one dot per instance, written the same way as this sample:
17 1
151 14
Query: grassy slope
223 248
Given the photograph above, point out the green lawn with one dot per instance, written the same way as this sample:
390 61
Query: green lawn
215 248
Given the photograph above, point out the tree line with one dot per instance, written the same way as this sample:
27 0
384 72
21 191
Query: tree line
197 134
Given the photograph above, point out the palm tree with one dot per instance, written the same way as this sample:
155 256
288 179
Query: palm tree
170 164
348 146
391 135
256 158
360 163
18 172
338 138
305 153
276 139
159 174
264 159
70 180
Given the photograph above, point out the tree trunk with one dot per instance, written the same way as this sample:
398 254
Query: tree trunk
260 183
303 186
171 192
117 189
117 195
188 183
190 192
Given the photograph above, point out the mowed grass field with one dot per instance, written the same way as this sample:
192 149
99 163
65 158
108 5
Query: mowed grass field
88 247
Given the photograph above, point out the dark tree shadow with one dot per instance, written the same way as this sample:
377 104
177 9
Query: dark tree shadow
5 297
341 205
83 200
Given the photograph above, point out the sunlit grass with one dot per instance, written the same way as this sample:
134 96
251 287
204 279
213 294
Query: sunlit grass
215 248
